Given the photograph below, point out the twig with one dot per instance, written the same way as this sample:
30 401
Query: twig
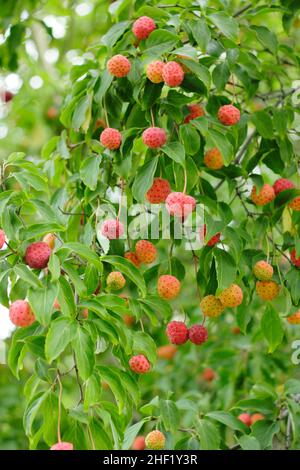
242 10
59 406
77 379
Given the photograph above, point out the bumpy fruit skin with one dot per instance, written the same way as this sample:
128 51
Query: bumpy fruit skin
142 27
232 296
263 271
195 111
295 204
264 196
115 280
167 352
213 159
154 71
133 258
256 417
139 443
282 184
139 364
294 259
211 306
50 240
267 290
112 229
245 418
145 251
62 446
198 334
168 287
37 255
155 440
208 374
213 240
119 66
229 115
154 137
2 238
180 205
159 191
177 332
111 138
294 319
20 313
173 74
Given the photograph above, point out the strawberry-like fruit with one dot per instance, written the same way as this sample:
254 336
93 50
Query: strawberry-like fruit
211 306
177 332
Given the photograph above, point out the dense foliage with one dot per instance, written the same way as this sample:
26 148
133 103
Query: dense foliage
75 357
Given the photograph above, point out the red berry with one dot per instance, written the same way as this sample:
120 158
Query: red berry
295 204
21 314
115 280
112 229
145 251
143 27
159 191
229 115
173 74
195 111
154 137
139 364
245 418
265 195
208 374
133 258
154 71
155 440
119 66
177 332
213 159
2 238
282 184
62 446
213 240
198 334
139 443
7 96
37 255
232 296
168 287
111 138
256 417
179 204
294 259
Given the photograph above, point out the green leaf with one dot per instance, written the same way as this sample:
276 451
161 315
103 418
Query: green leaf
84 252
84 349
144 179
266 37
41 301
249 443
54 267
263 124
220 141
114 33
144 344
131 432
105 82
27 275
110 376
83 113
271 327
228 419
89 171
200 32
159 42
175 151
76 280
128 269
32 409
61 332
208 434
169 414
226 24
264 432
92 392
66 298
190 138
220 75
225 267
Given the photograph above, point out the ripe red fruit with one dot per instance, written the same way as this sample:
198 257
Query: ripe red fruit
167 352
294 259
2 238
229 115
56 305
21 314
295 204
208 374
267 290
37 255
195 111
139 443
256 417
198 334
154 137
282 184
119 66
139 364
115 280
245 418
111 138
145 251
213 240
128 320
177 332
232 296
154 71
159 191
62 446
155 440
112 229
133 258
294 319
179 204
142 27
265 195
211 306
173 74
168 287
263 271
213 159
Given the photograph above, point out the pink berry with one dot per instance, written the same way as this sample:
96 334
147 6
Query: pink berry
112 229
139 364
154 137
245 418
282 184
21 314
159 191
154 71
2 238
198 334
294 259
177 332
168 287
111 138
119 66
173 74
37 255
179 204
142 27
195 111
62 446
229 115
